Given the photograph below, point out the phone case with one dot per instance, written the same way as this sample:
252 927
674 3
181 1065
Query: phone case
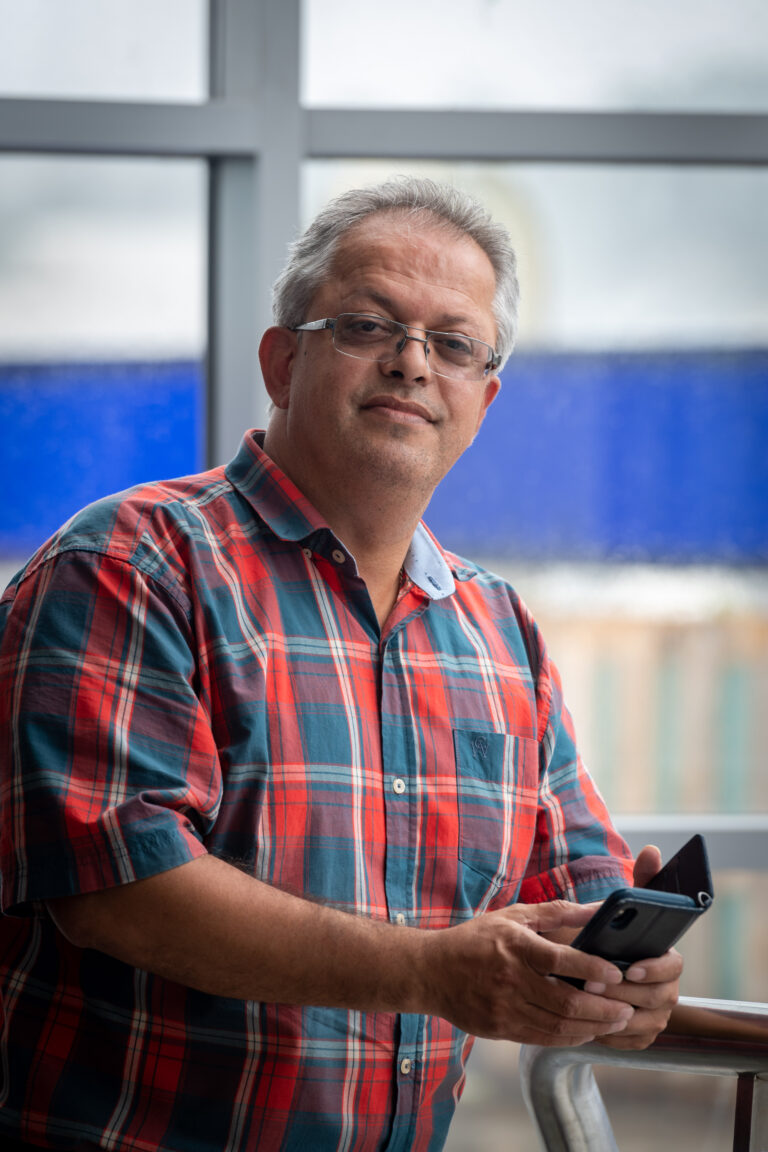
687 873
639 923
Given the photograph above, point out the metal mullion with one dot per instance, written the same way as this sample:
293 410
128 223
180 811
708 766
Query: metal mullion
231 349
254 203
562 137
235 126
218 128
232 346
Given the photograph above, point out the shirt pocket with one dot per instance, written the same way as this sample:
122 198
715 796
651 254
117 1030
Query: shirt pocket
497 778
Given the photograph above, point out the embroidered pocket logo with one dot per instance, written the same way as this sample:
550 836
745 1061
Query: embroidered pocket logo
480 746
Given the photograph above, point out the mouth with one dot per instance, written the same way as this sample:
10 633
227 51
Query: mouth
405 411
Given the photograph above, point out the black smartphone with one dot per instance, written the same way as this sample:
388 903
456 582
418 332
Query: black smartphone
639 923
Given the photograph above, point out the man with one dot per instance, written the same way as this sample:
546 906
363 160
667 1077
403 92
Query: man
291 806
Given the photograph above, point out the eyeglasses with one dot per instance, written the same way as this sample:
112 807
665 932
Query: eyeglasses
368 337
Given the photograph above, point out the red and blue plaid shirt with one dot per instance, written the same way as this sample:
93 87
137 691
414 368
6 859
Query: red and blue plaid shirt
195 666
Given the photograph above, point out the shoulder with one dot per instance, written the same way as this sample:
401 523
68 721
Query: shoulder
153 527
491 593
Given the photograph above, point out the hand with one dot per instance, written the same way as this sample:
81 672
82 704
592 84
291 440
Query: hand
495 976
651 986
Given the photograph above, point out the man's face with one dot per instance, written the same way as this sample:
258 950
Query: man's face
397 422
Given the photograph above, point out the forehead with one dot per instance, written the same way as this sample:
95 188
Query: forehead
418 266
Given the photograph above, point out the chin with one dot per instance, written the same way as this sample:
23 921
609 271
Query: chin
400 463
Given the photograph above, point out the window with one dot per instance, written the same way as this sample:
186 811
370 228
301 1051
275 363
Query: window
102 333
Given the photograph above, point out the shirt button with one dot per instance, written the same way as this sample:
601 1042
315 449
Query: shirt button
405 1066
400 918
338 556
398 786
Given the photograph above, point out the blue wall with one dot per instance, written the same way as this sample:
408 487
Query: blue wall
647 456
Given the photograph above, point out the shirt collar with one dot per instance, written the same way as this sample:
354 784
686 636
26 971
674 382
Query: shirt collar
272 495
426 565
290 516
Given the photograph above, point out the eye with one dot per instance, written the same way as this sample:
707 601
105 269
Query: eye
453 346
360 328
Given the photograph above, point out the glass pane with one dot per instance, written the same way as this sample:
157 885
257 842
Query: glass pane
102 334
620 480
639 54
124 49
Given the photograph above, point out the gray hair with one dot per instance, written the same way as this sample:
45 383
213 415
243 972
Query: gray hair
311 257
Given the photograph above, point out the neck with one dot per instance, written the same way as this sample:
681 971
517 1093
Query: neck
374 522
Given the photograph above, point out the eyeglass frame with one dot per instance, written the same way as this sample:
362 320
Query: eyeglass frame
330 322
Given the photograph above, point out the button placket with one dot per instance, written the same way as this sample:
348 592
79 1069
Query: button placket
400 787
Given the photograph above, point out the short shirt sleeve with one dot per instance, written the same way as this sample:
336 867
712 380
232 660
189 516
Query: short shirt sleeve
109 768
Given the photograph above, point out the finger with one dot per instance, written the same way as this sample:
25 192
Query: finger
647 996
543 962
647 864
568 1035
552 915
558 1000
562 960
575 1015
658 970
548 958
640 1031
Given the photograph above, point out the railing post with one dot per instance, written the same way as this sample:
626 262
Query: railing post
564 1101
750 1129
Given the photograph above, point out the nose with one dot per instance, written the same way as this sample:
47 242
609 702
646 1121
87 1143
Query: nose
411 362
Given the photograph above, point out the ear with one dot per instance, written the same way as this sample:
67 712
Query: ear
277 352
490 392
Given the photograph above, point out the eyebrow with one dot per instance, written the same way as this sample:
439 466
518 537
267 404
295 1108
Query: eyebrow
389 305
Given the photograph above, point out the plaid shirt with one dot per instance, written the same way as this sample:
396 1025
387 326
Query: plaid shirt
195 666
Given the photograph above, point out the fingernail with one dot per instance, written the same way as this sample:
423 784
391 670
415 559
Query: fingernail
595 988
616 975
619 1026
635 973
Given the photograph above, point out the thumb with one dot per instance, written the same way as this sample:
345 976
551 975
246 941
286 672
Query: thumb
647 864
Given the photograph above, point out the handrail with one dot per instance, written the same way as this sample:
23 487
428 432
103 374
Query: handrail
711 1037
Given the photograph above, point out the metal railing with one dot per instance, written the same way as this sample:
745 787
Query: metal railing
710 1037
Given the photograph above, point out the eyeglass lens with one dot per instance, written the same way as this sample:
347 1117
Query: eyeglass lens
376 338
